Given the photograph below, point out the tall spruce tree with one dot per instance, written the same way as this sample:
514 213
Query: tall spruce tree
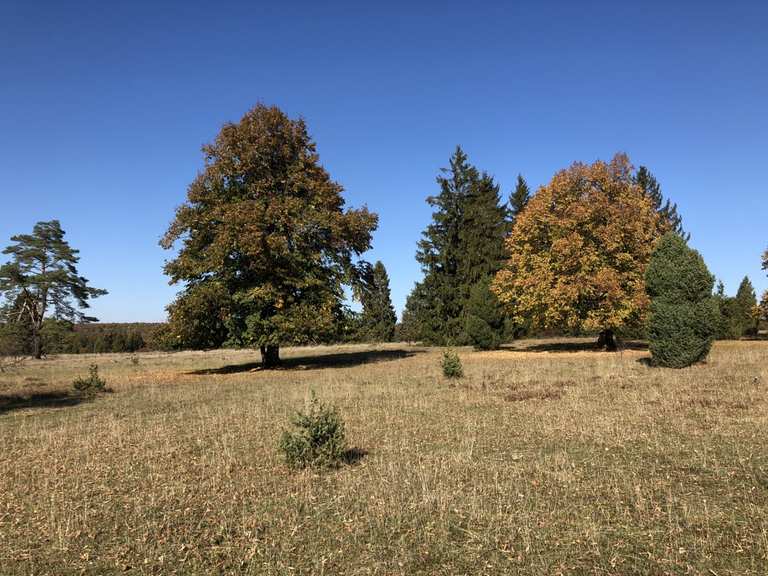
482 232
746 303
519 198
440 253
462 246
670 219
378 319
41 281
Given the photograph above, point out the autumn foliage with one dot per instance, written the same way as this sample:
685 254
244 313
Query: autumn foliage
265 229
578 252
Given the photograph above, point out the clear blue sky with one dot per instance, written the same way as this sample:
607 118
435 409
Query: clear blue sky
104 107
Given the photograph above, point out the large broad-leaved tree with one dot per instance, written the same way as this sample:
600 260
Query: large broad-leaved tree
41 282
265 226
578 252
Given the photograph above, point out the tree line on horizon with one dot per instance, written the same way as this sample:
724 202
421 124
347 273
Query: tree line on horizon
267 247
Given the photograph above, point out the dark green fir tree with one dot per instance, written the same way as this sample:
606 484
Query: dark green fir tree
378 319
670 218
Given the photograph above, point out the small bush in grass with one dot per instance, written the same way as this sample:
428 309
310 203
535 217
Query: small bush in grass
91 385
452 365
317 438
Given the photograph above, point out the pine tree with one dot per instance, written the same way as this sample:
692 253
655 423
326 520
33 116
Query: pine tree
42 281
518 200
440 254
763 308
463 244
484 317
684 315
728 327
378 319
746 302
670 219
482 233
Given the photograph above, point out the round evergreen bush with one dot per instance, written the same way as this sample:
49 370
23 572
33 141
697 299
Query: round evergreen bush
684 314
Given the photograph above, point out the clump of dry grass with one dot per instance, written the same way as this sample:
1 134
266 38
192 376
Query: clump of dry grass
599 465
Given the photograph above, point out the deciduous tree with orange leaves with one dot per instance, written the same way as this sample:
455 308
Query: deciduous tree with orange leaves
579 250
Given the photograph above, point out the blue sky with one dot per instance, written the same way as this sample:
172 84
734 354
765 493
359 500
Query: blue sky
104 107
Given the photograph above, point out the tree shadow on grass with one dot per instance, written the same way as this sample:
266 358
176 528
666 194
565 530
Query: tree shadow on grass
337 360
9 403
353 456
583 346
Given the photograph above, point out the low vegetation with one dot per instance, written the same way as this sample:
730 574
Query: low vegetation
451 364
317 438
93 384
545 458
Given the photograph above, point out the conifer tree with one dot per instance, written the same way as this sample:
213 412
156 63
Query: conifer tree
484 317
683 318
463 244
482 232
729 326
41 281
378 319
440 254
518 200
763 308
746 302
670 219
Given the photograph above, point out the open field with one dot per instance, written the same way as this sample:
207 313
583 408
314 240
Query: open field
544 459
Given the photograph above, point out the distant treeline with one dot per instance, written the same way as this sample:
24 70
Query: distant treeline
59 337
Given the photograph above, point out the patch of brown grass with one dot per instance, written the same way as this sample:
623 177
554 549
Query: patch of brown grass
597 464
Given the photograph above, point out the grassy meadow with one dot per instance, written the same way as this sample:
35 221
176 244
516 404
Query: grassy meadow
546 458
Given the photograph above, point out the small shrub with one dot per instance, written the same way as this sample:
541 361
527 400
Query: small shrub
317 439
91 385
452 367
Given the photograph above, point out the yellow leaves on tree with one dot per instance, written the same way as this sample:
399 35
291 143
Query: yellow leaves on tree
578 252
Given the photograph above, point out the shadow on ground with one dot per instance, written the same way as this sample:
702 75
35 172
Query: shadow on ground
585 346
354 455
336 360
9 403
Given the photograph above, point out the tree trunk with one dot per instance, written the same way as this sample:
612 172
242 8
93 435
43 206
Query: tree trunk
37 348
270 356
607 341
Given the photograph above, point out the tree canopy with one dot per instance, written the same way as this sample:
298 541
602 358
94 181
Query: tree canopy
265 222
41 281
578 251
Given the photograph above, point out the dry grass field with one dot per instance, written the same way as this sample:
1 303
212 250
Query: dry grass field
546 458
